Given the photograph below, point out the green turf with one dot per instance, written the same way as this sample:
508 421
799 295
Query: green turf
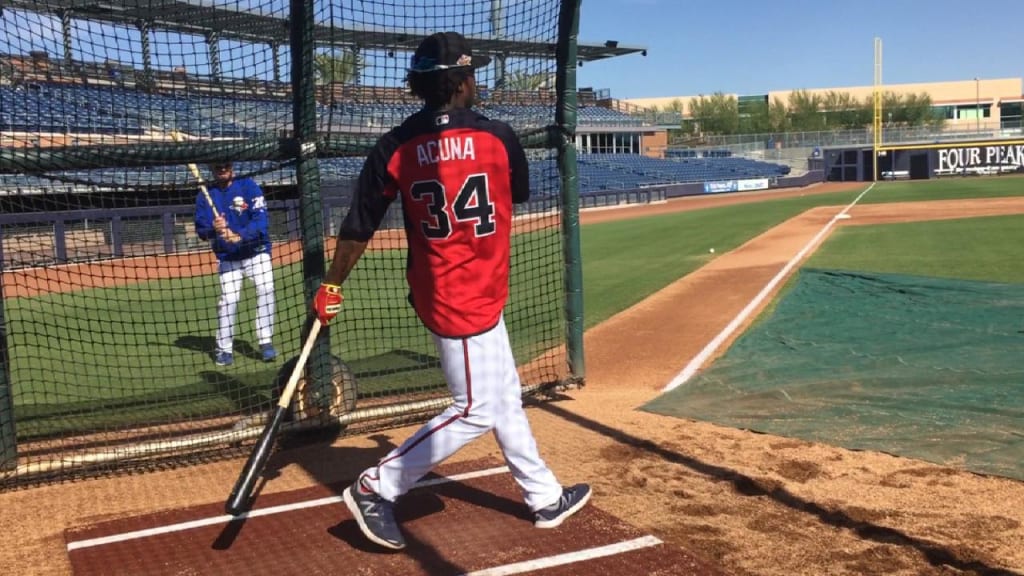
627 260
987 249
152 363
850 247
945 189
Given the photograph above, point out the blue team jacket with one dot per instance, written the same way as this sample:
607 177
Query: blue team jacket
245 209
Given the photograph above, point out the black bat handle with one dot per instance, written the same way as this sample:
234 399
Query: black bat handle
238 501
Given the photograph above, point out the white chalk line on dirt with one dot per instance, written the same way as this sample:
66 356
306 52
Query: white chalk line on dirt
225 518
568 557
736 322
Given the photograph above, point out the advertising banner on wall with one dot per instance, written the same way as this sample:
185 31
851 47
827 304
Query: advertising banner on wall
753 184
735 185
1002 157
720 186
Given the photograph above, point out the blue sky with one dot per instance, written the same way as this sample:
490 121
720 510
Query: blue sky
753 46
694 47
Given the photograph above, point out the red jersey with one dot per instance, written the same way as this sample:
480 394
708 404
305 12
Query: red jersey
457 173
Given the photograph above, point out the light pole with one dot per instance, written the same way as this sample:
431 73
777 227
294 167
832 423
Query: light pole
977 104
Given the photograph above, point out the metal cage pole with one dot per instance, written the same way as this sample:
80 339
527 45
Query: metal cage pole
565 120
307 175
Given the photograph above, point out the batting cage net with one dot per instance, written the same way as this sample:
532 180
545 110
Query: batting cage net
116 122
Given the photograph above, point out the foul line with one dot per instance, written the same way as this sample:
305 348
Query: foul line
568 557
717 341
224 518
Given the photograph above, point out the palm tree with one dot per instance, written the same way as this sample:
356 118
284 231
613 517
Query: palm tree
339 66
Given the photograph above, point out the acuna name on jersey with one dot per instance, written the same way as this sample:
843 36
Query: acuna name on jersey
445 149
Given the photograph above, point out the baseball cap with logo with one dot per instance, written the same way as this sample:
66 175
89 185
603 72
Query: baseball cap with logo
444 51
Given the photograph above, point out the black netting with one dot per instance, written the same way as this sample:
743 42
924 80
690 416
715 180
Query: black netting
110 118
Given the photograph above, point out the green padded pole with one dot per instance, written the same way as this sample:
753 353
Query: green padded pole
565 120
8 442
308 179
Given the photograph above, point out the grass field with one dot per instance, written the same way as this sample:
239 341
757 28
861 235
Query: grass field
986 249
87 359
626 261
946 189
156 336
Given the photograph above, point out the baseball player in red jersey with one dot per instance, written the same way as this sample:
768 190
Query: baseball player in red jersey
457 173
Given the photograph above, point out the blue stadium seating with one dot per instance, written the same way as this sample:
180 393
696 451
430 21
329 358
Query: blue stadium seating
67 108
72 108
597 173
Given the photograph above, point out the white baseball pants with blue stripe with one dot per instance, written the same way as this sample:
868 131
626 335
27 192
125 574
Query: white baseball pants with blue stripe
260 270
483 380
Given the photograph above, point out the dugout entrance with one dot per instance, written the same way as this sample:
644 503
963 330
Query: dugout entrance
919 166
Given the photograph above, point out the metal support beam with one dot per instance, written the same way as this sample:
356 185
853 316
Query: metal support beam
275 54
147 50
213 46
498 28
65 31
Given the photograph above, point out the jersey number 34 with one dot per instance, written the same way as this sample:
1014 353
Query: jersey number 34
472 204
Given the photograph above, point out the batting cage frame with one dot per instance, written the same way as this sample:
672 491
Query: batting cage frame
83 326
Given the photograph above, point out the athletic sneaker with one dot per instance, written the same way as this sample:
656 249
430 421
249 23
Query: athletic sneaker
375 515
224 358
268 352
573 498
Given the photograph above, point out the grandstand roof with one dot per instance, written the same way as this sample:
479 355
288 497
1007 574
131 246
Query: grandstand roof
201 17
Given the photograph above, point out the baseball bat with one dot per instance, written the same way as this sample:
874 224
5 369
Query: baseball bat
242 492
177 137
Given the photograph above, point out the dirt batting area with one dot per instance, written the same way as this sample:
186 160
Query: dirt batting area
698 498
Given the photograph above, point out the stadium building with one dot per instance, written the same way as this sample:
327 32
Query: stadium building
974 103
981 132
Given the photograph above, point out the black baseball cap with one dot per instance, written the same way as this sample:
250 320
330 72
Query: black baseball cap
444 51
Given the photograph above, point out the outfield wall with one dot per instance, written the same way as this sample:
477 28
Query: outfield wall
742 185
925 160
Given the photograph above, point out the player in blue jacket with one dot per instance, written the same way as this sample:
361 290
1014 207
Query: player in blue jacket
239 236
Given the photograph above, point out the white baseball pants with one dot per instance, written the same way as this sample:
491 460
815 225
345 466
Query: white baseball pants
232 273
483 380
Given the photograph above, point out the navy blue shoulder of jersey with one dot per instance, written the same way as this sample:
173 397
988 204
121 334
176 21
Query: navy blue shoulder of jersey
370 202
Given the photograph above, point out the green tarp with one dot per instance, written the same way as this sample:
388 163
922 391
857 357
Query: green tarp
919 367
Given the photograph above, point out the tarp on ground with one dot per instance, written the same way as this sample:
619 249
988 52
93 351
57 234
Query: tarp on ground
919 367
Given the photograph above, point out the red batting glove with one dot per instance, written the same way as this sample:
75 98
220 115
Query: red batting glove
327 302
